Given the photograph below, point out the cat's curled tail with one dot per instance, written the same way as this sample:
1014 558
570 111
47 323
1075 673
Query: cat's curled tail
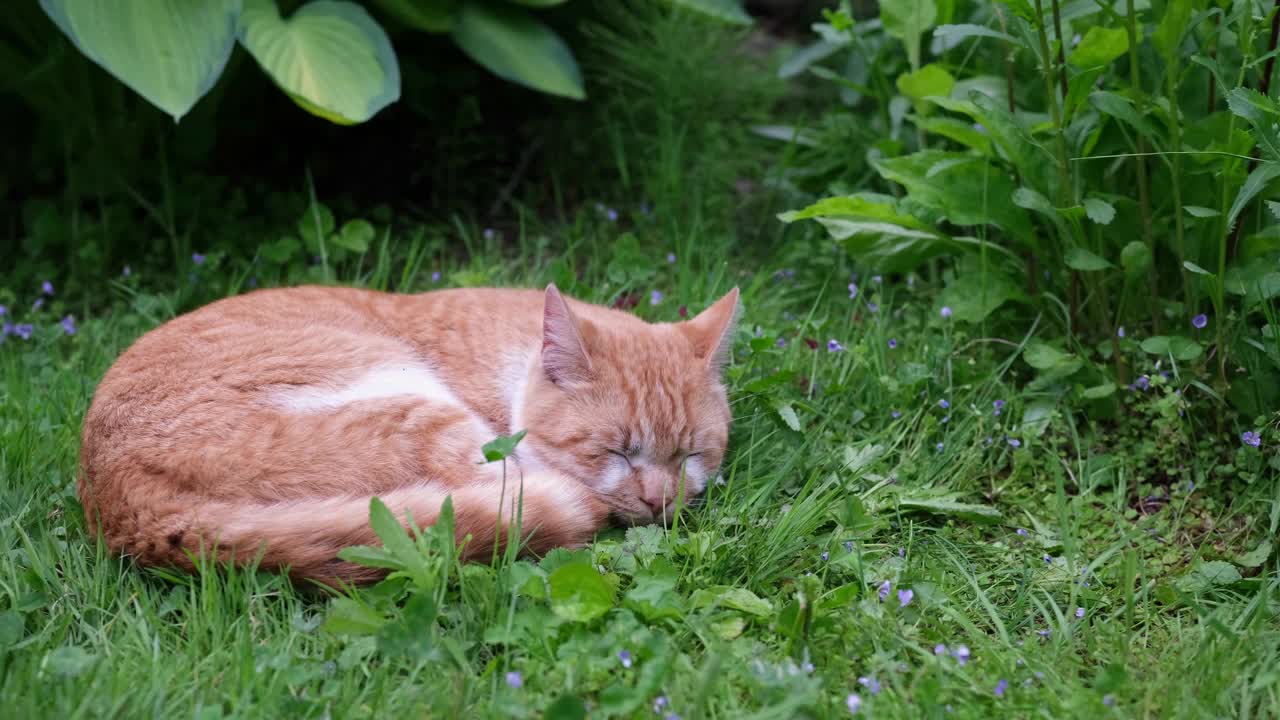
304 535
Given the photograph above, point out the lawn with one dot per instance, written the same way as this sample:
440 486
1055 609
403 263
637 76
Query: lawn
928 508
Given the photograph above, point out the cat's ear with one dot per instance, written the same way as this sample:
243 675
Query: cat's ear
564 354
712 331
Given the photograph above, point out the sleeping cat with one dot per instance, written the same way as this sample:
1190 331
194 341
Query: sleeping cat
261 425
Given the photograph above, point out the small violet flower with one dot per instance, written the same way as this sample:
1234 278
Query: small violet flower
1023 532
825 556
3 311
1079 612
905 596
853 290
1120 332
1048 559
945 312
1198 322
515 680
834 346
895 414
884 590
854 703
46 287
611 214
940 447
1015 443
871 684
39 303
944 404
69 325
197 258
1142 383
671 259
939 649
1108 700
782 342
873 308
489 234
659 703
961 654
655 297
998 405
1250 437
624 657
1001 687
435 276
875 279
893 344
126 272
23 330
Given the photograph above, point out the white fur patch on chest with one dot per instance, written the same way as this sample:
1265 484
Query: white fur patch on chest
375 384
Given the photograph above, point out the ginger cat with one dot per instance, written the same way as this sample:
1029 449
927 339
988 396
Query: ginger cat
264 423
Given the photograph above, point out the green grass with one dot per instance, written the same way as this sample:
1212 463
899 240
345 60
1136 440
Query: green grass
734 612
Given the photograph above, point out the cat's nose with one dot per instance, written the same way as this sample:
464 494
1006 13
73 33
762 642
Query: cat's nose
657 504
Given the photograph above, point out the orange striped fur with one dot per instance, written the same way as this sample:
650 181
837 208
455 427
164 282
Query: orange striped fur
261 425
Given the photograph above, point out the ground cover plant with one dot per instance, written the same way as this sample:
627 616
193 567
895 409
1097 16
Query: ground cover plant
1004 391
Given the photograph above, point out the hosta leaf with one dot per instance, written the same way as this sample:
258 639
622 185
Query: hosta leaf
170 52
729 11
1080 259
435 16
516 46
330 57
1099 46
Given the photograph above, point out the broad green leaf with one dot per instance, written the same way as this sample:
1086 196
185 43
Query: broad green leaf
501 447
932 80
170 52
1261 112
350 617
355 236
1135 258
788 415
433 16
655 598
1121 108
1208 575
1179 347
962 132
968 190
908 20
517 47
1025 197
944 506
1254 184
734 598
1099 46
566 707
12 628
1175 21
1036 416
953 34
1098 392
1257 556
1274 207
330 57
1045 357
1099 211
395 539
579 593
972 299
872 230
1080 259
1200 212
729 11
1196 268
370 557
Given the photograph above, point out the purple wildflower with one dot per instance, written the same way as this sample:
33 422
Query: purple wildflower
1023 532
902 552
961 654
624 656
940 447
825 556
659 703
1079 612
834 346
782 342
435 276
1120 332
1045 633
39 303
854 703
1198 322
895 414
904 597
46 287
944 404
671 259
848 546
1001 687
893 344
998 405
853 290
23 330
1015 443
655 297
1142 383
883 592
515 680
69 324
126 272
1249 437
873 308
871 684
671 716
1108 700
6 330
197 258
3 311
939 649
945 312
875 279
1048 559
611 214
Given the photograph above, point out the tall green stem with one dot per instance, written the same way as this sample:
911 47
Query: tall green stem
1144 194
1064 176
